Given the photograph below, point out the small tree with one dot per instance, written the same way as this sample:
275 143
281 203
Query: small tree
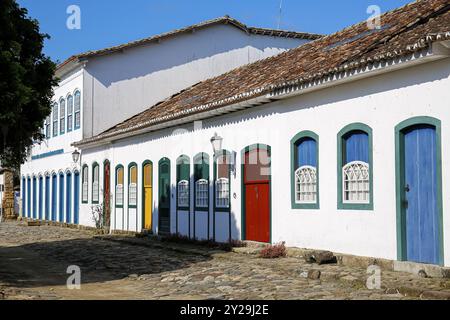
26 82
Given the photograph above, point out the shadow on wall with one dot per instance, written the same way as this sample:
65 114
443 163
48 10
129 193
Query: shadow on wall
45 263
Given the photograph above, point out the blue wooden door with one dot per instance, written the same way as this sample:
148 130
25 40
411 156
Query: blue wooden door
421 211
29 198
34 198
41 196
54 195
61 198
69 198
24 187
47 198
76 198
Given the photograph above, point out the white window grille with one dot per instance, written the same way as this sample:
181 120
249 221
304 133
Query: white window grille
306 185
77 109
84 191
201 193
96 185
183 193
55 119
119 194
356 182
69 113
132 190
62 116
222 193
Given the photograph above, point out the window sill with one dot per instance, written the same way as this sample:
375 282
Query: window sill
356 206
306 206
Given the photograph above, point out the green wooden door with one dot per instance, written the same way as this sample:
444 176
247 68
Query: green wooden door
164 196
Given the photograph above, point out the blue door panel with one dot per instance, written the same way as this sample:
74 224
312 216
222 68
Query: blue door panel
47 198
61 198
34 198
69 198
23 196
29 198
422 224
54 196
41 186
76 198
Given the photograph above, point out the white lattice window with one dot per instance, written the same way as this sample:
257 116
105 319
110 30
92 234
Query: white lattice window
119 195
223 193
306 185
356 182
132 190
201 193
183 193
96 185
84 191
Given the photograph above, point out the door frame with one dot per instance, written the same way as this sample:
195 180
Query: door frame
243 200
144 164
161 162
400 183
106 163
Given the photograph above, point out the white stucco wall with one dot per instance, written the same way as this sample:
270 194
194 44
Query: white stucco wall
62 162
380 102
120 85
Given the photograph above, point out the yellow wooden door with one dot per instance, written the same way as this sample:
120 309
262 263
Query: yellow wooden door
148 197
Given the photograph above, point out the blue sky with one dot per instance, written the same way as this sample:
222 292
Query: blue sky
110 22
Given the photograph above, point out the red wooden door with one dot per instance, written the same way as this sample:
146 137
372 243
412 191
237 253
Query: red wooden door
257 195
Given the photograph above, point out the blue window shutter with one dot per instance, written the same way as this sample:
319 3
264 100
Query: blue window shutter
307 153
356 147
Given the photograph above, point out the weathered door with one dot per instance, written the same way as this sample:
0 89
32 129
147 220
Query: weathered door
148 196
107 193
76 198
61 198
257 195
69 198
47 198
164 196
420 187
54 196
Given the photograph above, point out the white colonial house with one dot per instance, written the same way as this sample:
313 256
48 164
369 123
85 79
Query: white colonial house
338 144
102 88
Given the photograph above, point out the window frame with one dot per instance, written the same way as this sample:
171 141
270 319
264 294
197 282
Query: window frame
69 115
201 161
85 166
130 166
95 165
182 176
62 118
119 167
55 119
75 94
294 141
227 154
341 204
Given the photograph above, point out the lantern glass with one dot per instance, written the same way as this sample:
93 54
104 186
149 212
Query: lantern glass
75 156
216 142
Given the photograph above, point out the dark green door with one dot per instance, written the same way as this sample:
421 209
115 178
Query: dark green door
164 196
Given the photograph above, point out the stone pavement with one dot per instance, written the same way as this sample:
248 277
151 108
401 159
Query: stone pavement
34 260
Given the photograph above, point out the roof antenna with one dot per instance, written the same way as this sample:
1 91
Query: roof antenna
279 17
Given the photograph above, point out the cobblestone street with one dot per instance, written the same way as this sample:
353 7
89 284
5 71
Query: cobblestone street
34 260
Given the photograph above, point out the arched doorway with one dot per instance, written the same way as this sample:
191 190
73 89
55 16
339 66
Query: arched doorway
164 196
107 193
147 201
419 190
256 184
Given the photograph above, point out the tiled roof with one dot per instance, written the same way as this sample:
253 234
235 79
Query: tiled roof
405 30
202 25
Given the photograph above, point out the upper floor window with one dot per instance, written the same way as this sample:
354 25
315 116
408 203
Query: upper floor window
201 178
77 110
69 113
95 183
183 177
132 185
62 116
84 190
55 119
47 127
355 167
119 186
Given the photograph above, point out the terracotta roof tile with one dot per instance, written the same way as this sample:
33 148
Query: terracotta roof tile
413 24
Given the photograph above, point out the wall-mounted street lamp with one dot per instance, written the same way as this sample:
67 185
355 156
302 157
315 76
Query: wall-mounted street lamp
216 142
76 156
